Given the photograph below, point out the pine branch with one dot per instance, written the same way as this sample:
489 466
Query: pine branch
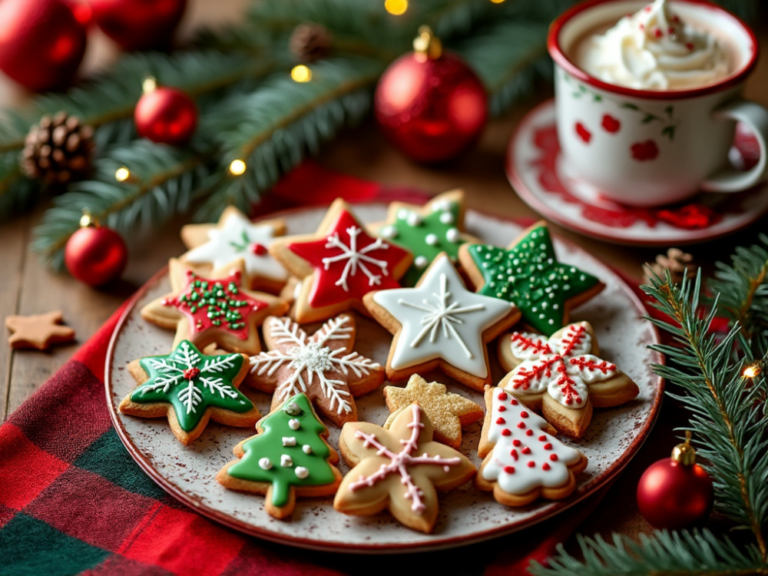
273 128
669 553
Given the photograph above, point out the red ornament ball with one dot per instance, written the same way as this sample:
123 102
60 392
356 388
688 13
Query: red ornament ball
430 104
673 494
166 116
41 43
95 255
139 24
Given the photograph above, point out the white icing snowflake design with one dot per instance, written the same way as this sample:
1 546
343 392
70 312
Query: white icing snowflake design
356 258
237 238
563 366
440 318
311 359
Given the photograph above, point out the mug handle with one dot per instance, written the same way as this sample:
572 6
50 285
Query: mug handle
756 117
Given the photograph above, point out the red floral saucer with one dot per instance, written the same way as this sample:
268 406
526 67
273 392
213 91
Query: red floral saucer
537 171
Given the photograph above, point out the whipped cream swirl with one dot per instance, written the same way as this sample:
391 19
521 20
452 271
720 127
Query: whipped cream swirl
654 50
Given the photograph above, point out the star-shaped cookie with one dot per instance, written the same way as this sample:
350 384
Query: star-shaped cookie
233 237
190 388
447 412
338 265
427 230
213 309
441 324
324 366
400 469
562 377
38 331
528 274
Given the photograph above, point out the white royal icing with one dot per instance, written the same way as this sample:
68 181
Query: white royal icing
265 464
286 461
294 424
522 458
289 441
301 472
440 318
307 449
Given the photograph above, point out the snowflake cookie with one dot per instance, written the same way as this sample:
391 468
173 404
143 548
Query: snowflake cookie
448 412
324 366
528 274
289 457
441 324
235 236
523 460
399 469
213 309
427 230
190 388
338 265
562 377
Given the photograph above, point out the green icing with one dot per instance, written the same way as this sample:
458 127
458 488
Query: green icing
269 445
530 276
192 382
411 230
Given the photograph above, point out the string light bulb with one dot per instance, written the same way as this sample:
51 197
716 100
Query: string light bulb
497 1
751 371
237 167
122 174
301 73
396 7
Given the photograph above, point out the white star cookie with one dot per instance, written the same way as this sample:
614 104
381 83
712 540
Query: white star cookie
441 324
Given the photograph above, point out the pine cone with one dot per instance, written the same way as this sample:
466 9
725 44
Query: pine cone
58 150
310 42
678 263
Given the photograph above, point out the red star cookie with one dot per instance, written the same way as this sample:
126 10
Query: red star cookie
338 265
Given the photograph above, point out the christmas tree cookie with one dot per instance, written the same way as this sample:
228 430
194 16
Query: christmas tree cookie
235 236
562 377
441 324
528 274
213 309
523 460
324 366
400 469
190 388
289 457
447 412
338 265
427 230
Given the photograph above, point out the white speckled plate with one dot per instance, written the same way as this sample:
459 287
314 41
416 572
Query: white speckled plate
466 515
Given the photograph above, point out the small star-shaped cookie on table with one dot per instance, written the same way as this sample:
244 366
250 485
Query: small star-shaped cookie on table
529 274
213 309
39 331
338 265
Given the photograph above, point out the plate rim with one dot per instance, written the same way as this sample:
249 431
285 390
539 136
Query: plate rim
556 507
548 212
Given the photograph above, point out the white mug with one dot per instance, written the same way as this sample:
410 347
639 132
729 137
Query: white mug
650 147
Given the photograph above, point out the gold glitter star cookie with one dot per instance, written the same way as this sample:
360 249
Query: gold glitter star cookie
38 331
447 412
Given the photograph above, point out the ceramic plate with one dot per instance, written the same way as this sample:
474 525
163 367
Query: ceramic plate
542 179
466 515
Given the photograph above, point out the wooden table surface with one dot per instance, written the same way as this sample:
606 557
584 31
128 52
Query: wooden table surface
26 287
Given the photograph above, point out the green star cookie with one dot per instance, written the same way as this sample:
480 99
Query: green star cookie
528 274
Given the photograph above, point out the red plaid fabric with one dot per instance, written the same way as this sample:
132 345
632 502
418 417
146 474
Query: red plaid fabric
73 501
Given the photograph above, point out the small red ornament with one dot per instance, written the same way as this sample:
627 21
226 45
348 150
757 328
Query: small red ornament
675 493
95 254
138 24
430 104
165 115
41 43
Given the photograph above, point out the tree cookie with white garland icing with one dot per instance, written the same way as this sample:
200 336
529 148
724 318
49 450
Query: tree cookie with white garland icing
338 265
523 461
529 274
214 246
190 388
441 324
428 230
289 457
401 469
447 412
323 366
562 376
213 309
